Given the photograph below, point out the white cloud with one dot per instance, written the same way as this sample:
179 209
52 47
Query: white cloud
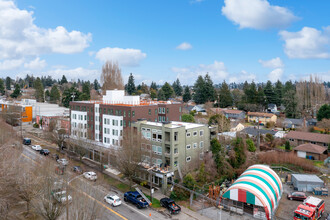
20 37
242 77
216 70
125 57
307 43
184 46
36 64
273 63
11 64
257 14
275 75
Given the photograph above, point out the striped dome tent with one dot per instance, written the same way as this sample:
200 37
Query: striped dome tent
258 185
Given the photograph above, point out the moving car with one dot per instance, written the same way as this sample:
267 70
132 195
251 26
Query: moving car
77 169
113 200
27 141
90 175
63 161
299 196
135 198
62 197
36 147
172 207
44 152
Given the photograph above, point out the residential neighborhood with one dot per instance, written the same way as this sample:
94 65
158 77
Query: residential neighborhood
124 110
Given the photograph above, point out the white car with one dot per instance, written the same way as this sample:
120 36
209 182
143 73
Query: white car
112 200
90 175
63 161
36 147
61 197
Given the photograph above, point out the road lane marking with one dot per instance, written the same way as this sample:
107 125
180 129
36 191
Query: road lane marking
29 158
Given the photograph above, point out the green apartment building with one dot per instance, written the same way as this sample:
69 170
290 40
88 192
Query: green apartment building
174 144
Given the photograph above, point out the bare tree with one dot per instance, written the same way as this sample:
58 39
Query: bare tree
57 137
111 77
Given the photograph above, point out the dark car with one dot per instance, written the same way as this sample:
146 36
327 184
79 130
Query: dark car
135 198
170 205
77 169
27 141
56 157
44 152
299 196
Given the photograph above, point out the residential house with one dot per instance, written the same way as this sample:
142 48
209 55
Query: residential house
311 151
230 113
238 127
272 108
175 144
298 137
292 123
261 117
253 132
104 121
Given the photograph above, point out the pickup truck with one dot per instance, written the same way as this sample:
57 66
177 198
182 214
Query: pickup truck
135 198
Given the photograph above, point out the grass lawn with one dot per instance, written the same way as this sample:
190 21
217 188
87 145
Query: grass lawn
318 163
119 185
155 202
283 147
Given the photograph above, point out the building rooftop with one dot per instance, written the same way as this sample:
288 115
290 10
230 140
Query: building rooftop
254 131
307 178
309 136
311 148
260 114
226 111
175 124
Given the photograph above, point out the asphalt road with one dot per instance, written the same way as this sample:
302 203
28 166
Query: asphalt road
124 211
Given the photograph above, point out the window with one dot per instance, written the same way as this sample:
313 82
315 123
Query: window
159 118
201 156
163 118
180 109
133 113
188 159
159 110
176 151
124 123
113 122
129 113
105 140
188 134
167 110
313 142
175 163
163 110
195 133
149 112
121 122
155 111
108 121
88 109
188 147
85 117
201 133
201 144
85 126
291 139
104 111
124 112
195 145
105 130
111 111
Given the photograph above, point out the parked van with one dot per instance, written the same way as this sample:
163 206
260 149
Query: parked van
27 141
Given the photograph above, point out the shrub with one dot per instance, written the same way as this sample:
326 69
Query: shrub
251 146
287 145
187 118
189 181
270 124
35 125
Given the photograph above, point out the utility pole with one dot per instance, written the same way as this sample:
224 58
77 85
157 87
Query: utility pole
150 174
73 95
258 141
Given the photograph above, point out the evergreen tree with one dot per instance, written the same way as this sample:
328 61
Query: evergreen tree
54 94
161 95
39 93
8 83
269 92
236 96
153 93
47 95
186 95
261 97
63 80
96 85
251 93
17 92
279 92
199 89
86 90
70 94
168 91
153 86
290 103
324 112
225 98
210 93
177 87
130 86
2 87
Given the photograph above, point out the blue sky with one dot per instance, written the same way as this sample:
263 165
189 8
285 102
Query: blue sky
160 40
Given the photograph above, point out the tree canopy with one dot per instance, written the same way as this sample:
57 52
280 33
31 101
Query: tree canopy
324 112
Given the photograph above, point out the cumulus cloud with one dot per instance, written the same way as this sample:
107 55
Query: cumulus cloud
36 64
11 64
242 77
307 43
275 75
184 46
216 70
20 37
257 14
125 57
272 63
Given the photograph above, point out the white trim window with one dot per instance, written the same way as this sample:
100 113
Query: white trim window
201 133
195 145
188 147
188 159
188 134
201 144
195 133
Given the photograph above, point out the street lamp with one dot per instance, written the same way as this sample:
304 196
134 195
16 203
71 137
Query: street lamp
66 194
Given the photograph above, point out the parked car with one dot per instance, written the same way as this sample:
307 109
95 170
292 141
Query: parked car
299 196
44 152
27 141
36 147
135 198
77 169
63 161
61 197
113 200
170 205
90 175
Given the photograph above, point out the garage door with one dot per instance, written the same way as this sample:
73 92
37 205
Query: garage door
301 154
